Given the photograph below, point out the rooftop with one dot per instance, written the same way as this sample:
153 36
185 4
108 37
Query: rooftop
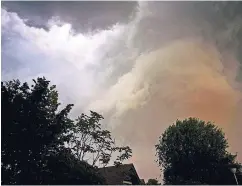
116 175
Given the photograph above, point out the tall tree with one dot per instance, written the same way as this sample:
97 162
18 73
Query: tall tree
34 132
90 142
194 152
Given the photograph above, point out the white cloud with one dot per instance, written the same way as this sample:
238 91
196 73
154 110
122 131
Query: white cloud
78 63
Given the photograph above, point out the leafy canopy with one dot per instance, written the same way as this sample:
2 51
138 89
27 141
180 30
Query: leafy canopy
194 152
34 133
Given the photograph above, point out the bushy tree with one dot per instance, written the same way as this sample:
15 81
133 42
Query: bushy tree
65 169
34 133
194 152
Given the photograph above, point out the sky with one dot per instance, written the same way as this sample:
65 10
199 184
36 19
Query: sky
142 65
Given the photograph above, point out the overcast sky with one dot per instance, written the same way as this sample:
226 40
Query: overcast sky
142 65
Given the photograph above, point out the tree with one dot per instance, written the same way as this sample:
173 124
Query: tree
194 152
34 133
91 143
65 169
153 182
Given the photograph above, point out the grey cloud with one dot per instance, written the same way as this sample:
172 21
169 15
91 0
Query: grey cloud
83 15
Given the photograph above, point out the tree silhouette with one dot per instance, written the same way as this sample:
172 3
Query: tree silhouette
194 152
90 142
34 132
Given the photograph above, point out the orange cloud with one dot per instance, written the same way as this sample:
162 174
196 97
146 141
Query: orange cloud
186 78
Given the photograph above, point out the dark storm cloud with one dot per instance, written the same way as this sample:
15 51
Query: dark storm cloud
83 15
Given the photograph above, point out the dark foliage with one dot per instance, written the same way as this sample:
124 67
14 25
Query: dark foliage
153 182
194 152
66 169
90 142
34 131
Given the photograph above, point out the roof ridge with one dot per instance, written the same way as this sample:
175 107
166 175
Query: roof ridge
131 164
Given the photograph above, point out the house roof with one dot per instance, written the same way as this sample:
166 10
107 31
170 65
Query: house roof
115 175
